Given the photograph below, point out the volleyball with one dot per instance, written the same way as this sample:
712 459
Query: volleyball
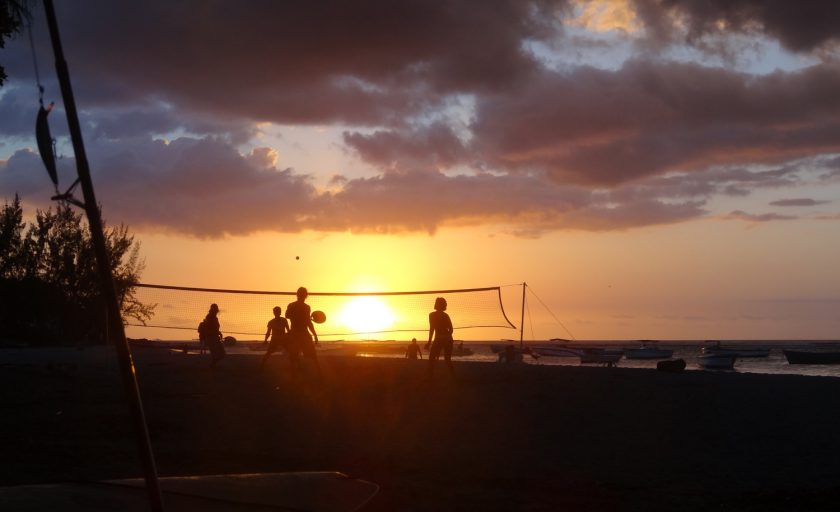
319 317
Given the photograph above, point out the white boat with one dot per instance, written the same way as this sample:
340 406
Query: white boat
714 347
648 349
716 361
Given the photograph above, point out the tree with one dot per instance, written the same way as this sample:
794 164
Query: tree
51 273
11 237
12 15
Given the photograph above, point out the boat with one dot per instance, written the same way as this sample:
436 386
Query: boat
648 349
460 350
716 361
811 357
587 355
600 356
554 351
513 353
714 347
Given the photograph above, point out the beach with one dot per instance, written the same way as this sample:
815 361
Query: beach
494 437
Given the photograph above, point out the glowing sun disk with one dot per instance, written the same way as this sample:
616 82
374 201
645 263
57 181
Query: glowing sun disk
366 314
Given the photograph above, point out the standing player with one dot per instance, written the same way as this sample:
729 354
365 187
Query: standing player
440 327
300 316
210 335
277 329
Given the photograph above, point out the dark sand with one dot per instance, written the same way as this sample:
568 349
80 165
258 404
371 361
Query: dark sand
499 437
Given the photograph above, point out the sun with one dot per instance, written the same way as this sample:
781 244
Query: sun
366 314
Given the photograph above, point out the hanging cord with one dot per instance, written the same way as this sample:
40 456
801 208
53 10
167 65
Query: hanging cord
572 336
35 64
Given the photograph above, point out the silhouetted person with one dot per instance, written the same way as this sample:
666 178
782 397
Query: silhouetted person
510 354
440 330
277 328
300 316
414 351
211 336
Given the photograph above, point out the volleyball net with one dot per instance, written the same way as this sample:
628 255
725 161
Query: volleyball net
353 316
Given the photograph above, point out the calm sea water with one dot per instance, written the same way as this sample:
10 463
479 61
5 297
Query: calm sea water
775 363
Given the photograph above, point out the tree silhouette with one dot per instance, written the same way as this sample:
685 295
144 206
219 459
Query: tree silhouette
49 272
12 15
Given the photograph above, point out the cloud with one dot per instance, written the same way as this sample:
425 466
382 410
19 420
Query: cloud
140 120
801 26
797 202
599 127
203 187
435 147
764 217
531 147
370 63
17 112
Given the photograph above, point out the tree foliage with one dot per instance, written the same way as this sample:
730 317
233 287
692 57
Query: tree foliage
12 15
49 280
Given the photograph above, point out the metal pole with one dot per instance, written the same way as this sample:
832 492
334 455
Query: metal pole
126 363
522 318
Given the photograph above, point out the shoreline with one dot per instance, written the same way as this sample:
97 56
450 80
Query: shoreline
498 437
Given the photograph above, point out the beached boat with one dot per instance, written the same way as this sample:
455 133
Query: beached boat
555 351
811 357
600 356
648 349
511 353
460 350
716 361
714 347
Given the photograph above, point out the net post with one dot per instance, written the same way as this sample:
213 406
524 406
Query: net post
113 316
522 318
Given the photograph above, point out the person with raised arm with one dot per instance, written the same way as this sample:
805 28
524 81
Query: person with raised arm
302 330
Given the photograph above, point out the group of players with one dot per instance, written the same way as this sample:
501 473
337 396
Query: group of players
295 333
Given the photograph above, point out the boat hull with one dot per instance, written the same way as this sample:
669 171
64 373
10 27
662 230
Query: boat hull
557 352
716 362
600 356
715 348
648 353
736 352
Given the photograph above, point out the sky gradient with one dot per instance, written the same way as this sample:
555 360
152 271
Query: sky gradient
652 169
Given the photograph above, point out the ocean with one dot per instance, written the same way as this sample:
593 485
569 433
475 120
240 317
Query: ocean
482 351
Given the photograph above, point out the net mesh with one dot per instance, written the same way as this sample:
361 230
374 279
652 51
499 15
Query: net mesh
349 315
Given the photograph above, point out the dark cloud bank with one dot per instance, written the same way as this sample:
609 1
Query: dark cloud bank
540 149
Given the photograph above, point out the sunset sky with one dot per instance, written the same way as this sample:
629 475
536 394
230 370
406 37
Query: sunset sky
652 169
